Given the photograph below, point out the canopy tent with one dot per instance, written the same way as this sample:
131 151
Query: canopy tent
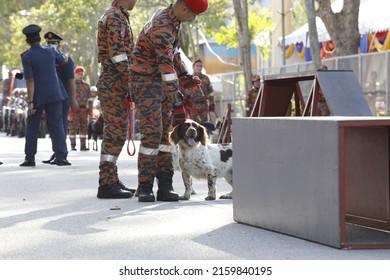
374 16
301 34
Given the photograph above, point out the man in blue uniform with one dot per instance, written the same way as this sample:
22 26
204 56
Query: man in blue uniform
65 73
43 93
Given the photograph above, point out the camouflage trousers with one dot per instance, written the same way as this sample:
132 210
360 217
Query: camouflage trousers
111 95
155 116
78 120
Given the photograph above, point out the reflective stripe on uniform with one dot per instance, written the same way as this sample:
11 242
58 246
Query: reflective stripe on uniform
110 158
168 77
165 148
72 136
148 151
119 58
83 136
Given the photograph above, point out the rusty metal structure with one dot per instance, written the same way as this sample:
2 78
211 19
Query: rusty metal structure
225 127
340 89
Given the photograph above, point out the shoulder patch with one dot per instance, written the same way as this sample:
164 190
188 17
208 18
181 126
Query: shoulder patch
103 19
147 26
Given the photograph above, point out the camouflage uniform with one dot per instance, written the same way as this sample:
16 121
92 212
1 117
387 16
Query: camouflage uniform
202 100
197 110
155 65
115 43
78 119
250 100
205 103
322 106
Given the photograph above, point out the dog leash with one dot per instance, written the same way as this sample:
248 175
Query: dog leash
129 105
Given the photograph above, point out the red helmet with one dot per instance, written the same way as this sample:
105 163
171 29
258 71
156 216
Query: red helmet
79 69
197 6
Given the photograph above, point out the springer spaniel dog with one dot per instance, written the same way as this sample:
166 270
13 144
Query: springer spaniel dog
201 160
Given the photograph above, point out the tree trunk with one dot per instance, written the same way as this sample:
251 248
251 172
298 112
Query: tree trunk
343 27
313 34
241 13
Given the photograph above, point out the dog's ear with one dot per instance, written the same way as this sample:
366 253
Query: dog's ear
202 134
174 135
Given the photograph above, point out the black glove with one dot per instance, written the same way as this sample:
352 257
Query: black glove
179 113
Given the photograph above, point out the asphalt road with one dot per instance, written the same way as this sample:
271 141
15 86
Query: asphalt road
52 213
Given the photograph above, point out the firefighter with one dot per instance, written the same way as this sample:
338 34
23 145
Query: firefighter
115 43
204 104
78 119
156 67
252 95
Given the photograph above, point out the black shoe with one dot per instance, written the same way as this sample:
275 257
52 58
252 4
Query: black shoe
62 162
52 158
27 163
123 187
74 148
145 193
83 148
112 191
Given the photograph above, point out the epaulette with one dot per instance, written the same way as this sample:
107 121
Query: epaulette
23 53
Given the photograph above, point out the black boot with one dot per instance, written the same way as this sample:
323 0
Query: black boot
165 190
112 191
145 193
51 159
120 184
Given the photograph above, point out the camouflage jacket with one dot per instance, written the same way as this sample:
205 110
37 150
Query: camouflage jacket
82 93
157 49
206 87
251 98
115 40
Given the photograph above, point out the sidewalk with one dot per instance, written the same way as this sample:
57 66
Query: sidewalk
52 213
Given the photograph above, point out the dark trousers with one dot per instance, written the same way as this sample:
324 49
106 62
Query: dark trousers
65 112
55 125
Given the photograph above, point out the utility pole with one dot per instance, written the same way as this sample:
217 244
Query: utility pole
283 35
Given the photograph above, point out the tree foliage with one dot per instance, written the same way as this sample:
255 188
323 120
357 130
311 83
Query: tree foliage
259 23
76 22
241 33
298 14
